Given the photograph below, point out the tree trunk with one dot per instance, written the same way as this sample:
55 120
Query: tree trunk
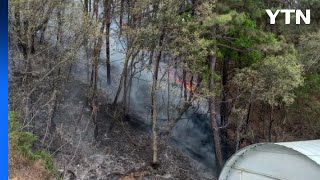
153 103
123 81
95 61
248 118
107 13
121 15
95 9
85 41
184 84
25 44
168 91
151 57
270 124
32 48
212 111
43 30
60 23
118 91
85 6
224 104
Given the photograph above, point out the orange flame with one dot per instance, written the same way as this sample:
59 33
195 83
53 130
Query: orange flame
188 85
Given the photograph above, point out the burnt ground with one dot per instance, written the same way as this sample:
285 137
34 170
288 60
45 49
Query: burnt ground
82 151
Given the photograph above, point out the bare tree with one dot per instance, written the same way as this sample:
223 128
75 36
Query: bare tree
153 100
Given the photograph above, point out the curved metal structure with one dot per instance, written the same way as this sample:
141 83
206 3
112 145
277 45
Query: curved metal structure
298 160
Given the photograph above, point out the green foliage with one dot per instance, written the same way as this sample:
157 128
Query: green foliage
315 6
221 19
311 86
309 48
306 109
272 80
22 141
186 16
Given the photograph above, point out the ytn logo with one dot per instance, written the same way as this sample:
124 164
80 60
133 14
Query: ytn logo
299 15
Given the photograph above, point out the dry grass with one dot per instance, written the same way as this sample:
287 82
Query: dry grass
21 168
25 163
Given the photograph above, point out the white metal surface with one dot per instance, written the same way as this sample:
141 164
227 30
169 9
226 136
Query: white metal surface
311 149
284 161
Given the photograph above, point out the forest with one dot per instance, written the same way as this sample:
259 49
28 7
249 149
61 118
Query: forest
156 89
